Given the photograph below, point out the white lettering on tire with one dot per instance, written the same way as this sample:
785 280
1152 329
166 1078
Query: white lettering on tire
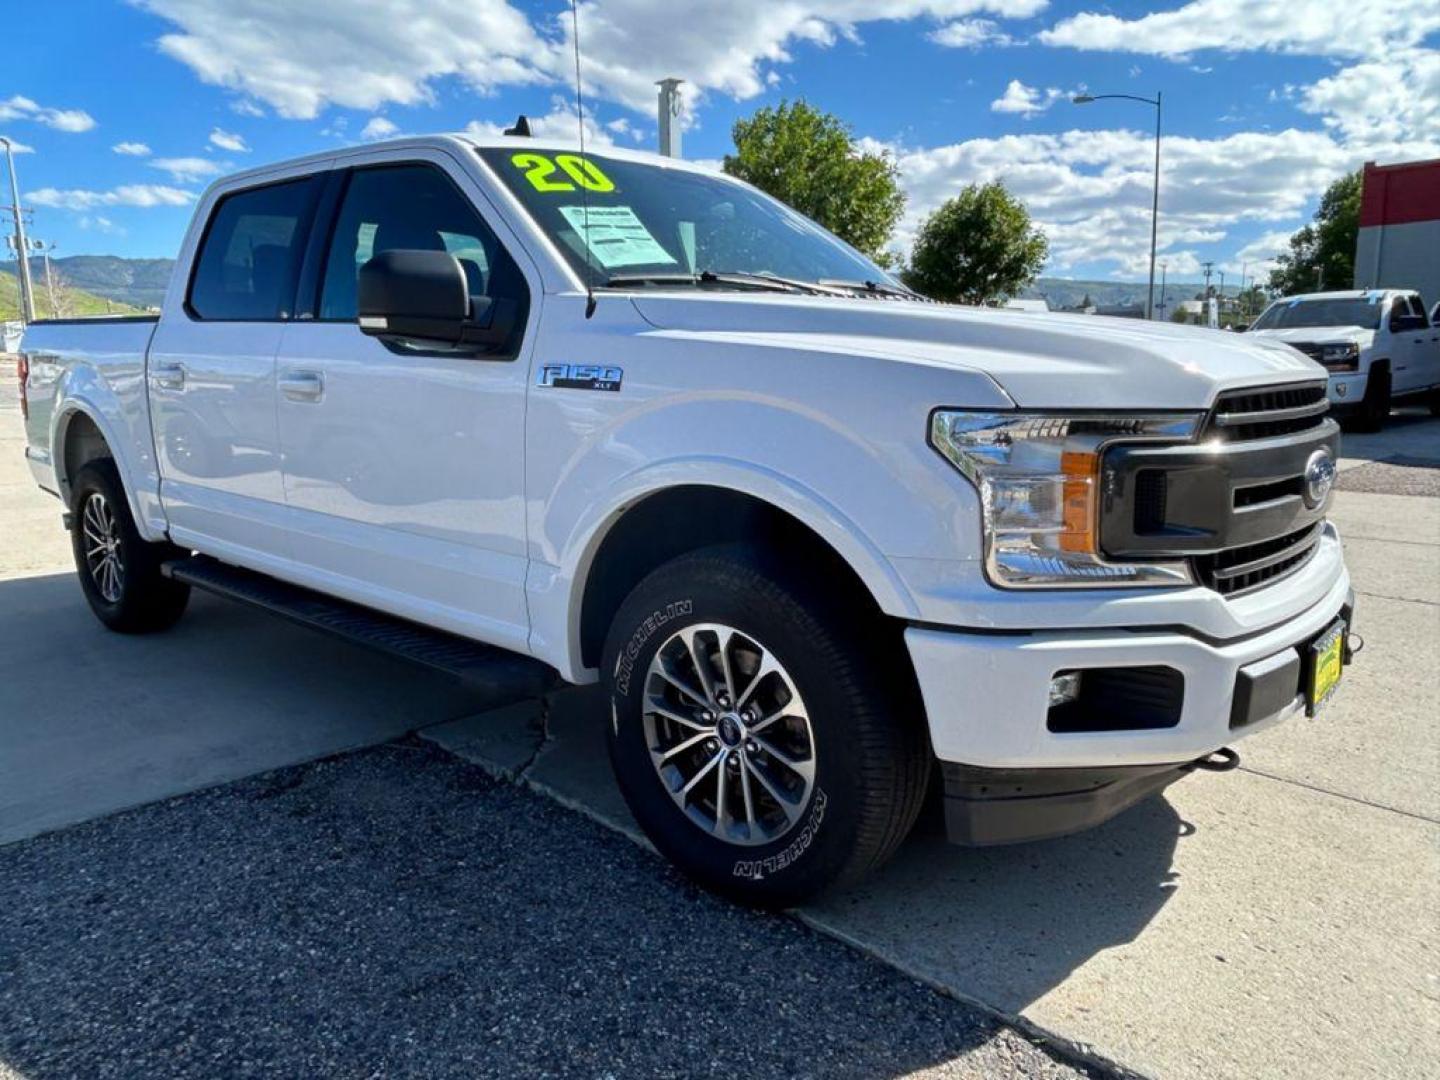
625 662
756 869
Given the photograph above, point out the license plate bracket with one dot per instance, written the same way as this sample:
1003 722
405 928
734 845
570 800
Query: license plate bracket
1324 664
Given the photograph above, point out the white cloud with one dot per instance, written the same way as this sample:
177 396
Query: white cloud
144 195
246 107
99 223
23 108
1391 106
970 34
378 128
368 55
131 149
228 140
1025 100
558 124
185 169
1355 28
1090 191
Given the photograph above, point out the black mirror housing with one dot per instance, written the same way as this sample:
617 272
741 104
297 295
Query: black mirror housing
414 294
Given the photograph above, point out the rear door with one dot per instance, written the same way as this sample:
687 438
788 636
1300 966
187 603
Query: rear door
211 373
403 467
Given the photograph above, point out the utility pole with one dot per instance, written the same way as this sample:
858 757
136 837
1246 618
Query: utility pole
669 116
1161 306
45 250
22 251
1207 266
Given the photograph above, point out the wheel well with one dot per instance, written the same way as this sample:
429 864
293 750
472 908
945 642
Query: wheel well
670 523
83 444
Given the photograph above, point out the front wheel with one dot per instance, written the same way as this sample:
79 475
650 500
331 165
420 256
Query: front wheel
119 571
1375 406
767 739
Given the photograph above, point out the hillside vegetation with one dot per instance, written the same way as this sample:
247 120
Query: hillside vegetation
72 302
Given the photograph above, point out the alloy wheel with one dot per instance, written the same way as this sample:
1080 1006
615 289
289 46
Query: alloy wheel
102 548
729 734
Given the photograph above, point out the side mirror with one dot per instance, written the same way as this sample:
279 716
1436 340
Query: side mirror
1241 328
413 294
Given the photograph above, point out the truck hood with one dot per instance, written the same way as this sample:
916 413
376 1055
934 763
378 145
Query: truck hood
1318 335
1041 360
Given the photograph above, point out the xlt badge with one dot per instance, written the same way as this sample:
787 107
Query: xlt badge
580 377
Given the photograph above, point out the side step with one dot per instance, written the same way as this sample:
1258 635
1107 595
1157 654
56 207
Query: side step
504 676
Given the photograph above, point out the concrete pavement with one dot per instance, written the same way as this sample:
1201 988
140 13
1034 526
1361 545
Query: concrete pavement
1279 921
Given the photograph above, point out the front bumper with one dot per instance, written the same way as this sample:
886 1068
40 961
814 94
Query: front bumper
1346 390
1009 777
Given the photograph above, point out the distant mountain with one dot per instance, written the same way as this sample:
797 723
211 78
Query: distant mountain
138 282
1071 293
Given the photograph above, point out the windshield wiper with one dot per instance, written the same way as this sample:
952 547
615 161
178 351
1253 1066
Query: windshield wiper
875 288
736 278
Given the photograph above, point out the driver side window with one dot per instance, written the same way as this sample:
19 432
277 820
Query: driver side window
413 208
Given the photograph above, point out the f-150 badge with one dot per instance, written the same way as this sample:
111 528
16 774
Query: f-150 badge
580 377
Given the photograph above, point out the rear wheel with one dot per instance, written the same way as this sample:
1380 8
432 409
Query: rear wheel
768 742
119 571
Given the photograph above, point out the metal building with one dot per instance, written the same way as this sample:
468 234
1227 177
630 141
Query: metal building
1399 242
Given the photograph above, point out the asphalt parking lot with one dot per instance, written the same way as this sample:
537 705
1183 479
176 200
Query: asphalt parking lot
302 885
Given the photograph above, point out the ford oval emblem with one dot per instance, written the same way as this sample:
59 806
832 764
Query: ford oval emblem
1319 477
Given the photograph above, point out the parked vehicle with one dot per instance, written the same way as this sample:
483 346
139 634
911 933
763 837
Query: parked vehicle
823 541
1378 345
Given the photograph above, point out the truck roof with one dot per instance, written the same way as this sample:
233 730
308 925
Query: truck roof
474 140
1344 294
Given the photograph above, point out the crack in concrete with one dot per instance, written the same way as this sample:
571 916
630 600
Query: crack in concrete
1339 795
1398 599
522 773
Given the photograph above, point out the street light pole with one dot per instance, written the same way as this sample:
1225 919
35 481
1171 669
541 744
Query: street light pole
1086 99
22 253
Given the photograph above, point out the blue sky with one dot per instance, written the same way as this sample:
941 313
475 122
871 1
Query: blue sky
1264 102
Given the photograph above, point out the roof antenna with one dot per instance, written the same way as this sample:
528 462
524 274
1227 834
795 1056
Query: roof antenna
521 128
584 191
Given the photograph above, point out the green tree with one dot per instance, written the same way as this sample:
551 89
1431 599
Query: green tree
1322 254
809 159
979 246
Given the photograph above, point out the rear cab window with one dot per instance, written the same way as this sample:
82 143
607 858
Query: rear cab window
249 257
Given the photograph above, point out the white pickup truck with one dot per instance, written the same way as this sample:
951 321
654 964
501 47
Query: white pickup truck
1378 345
826 544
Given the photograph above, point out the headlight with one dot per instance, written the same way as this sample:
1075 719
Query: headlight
1341 357
1039 483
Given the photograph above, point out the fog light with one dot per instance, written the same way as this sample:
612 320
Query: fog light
1064 688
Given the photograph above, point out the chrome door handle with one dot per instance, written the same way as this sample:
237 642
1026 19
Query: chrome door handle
303 385
168 377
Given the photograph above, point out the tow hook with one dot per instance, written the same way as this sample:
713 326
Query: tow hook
1222 760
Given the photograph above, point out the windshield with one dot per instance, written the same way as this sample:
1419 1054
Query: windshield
649 221
1362 311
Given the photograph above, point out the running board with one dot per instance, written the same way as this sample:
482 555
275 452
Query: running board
501 675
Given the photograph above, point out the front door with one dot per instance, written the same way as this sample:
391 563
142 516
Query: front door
211 373
402 465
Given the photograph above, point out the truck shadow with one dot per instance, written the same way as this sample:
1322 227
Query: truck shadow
1005 925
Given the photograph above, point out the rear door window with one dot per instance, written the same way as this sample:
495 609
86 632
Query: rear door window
248 261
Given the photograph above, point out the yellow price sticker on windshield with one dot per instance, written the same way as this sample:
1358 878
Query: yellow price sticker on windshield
541 171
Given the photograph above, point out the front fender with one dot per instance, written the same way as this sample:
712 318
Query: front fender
872 495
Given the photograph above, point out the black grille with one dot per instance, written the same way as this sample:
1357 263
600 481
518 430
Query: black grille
1122 699
1151 489
1263 413
1240 569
